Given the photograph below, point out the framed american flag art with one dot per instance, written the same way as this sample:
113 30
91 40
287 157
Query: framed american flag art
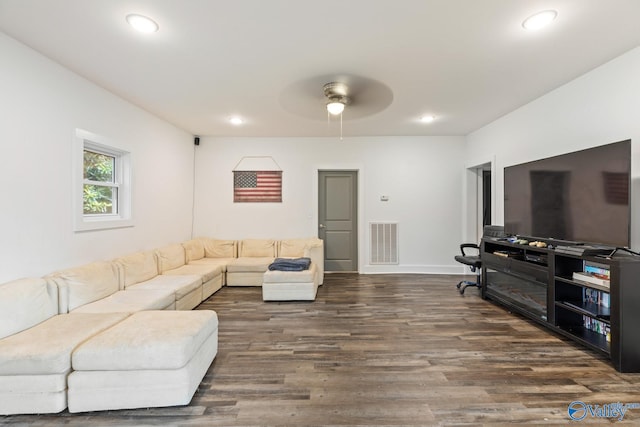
257 186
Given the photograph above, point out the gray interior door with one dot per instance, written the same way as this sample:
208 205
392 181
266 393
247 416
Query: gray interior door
337 219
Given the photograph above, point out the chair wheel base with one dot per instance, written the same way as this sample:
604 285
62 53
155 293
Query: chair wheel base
466 285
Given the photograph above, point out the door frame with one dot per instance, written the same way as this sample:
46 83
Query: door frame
472 197
359 169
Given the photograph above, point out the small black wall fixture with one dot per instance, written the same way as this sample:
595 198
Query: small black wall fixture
196 140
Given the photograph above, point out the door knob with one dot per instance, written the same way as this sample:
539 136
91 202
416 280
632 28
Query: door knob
321 226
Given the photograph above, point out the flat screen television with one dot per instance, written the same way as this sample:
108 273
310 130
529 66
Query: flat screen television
582 196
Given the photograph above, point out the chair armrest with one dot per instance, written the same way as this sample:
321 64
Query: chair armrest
468 246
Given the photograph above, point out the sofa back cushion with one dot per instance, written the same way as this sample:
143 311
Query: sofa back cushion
257 248
25 303
88 283
294 248
311 247
193 250
138 267
170 257
214 248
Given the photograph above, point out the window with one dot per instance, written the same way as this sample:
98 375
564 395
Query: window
102 184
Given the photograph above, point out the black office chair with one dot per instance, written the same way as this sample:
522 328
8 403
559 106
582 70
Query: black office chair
472 261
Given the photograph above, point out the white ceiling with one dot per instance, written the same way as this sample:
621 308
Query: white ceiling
467 62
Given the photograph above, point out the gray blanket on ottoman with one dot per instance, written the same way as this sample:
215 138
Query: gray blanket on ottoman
290 264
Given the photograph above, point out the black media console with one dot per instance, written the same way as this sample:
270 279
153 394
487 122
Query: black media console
539 283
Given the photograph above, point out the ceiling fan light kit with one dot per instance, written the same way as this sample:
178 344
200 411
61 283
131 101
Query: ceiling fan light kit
335 107
337 99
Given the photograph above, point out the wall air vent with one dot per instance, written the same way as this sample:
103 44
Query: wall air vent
383 242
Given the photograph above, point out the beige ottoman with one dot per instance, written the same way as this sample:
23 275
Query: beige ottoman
150 359
290 285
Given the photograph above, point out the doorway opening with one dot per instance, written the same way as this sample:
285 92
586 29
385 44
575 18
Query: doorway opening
486 197
480 194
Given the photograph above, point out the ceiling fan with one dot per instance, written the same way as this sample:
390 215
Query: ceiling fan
362 97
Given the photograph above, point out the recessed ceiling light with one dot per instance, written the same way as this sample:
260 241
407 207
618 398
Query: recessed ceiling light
236 120
142 23
539 20
427 119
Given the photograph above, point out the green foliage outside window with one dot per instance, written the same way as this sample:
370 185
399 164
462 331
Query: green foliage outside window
99 199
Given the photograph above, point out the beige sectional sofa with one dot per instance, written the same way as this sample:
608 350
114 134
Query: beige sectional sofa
36 344
118 334
244 262
95 359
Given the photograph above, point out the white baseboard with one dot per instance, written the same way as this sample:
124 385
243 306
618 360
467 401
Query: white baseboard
416 269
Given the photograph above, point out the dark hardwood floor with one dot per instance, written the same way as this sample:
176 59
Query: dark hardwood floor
382 350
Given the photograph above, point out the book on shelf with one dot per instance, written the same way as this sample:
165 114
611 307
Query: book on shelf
507 254
599 270
597 326
596 297
594 278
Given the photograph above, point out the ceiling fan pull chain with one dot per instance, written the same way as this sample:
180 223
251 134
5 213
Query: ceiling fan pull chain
340 126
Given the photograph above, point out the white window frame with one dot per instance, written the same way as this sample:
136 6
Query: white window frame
85 140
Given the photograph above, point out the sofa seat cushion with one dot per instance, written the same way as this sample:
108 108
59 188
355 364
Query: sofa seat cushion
47 347
33 394
180 285
206 272
147 340
221 262
24 303
32 383
132 300
249 264
277 276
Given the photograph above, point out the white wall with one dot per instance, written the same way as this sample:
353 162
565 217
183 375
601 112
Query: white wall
421 175
41 104
600 107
